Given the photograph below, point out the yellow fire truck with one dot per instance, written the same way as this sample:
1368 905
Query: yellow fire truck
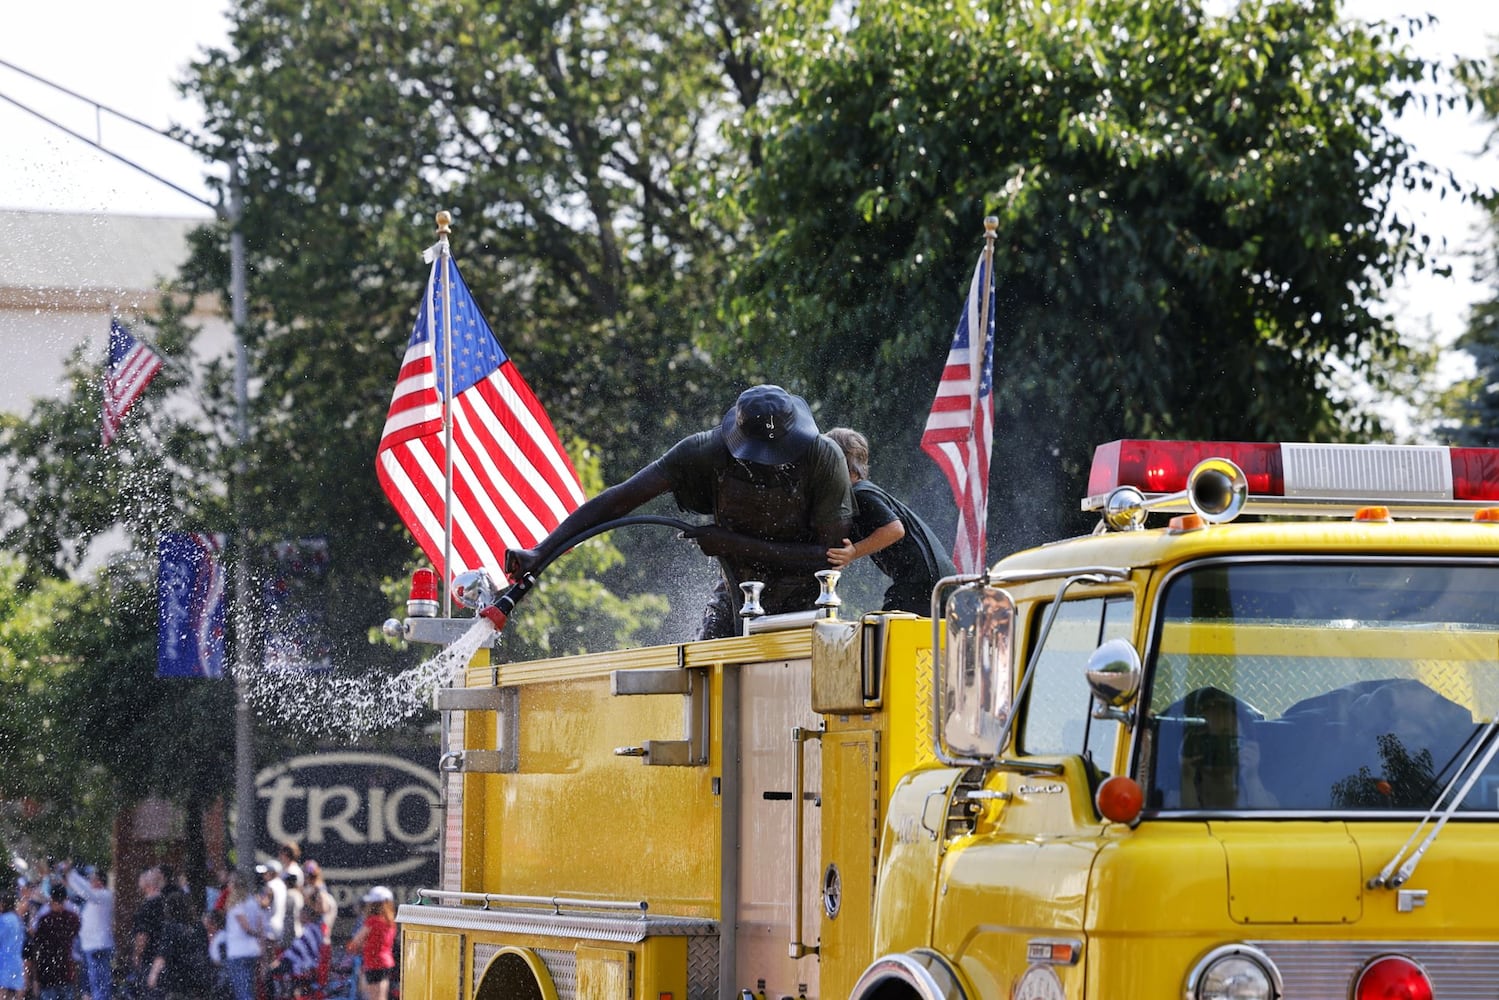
1246 752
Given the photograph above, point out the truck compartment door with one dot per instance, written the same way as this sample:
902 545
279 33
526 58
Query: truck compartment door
775 700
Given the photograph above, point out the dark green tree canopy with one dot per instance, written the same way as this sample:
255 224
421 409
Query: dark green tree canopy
1194 220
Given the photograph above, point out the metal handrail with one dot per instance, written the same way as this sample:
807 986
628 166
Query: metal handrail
556 903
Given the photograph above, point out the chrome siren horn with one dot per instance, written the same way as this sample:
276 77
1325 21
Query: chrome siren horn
1217 489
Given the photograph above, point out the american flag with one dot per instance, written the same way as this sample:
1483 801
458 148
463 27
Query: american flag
959 431
512 480
131 367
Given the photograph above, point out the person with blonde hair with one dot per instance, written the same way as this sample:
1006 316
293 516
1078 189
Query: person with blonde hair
245 923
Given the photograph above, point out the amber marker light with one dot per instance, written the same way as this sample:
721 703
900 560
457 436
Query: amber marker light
1186 522
1372 514
1120 799
1487 515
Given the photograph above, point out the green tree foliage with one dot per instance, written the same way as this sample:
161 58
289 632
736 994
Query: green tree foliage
1473 406
87 725
1194 220
1475 403
575 148
50 802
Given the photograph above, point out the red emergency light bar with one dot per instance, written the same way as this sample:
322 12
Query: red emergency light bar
1409 475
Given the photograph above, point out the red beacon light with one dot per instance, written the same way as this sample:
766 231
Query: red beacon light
422 600
1164 466
1325 479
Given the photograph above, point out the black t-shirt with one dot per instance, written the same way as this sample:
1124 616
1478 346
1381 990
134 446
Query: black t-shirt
916 560
148 920
184 948
695 465
806 501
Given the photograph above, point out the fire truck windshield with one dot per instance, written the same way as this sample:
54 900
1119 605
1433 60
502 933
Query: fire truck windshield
1332 686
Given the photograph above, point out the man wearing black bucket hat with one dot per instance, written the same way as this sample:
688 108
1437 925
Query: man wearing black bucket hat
778 493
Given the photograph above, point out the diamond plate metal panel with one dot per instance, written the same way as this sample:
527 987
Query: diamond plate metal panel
561 965
921 752
702 968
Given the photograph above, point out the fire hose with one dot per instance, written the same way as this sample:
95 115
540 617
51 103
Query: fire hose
498 612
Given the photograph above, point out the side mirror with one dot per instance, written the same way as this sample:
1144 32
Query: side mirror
975 687
1114 676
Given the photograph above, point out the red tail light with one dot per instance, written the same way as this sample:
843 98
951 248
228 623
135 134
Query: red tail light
1392 978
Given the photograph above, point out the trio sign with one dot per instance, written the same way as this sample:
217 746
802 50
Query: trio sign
367 817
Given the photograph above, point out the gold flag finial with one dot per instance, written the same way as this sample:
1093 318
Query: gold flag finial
444 224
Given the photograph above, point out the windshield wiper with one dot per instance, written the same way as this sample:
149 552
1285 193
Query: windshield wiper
1391 878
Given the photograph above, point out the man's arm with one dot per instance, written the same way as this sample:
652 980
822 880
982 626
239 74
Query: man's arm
157 964
716 541
80 885
616 501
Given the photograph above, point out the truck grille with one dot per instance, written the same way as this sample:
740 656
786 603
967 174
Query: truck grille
1459 970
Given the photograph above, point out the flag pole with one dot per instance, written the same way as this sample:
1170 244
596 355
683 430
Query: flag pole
986 360
444 224
991 229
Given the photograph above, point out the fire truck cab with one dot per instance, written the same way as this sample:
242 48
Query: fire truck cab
1244 753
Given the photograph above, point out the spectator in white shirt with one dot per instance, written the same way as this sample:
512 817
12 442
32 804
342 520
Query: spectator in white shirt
270 873
97 935
289 855
244 936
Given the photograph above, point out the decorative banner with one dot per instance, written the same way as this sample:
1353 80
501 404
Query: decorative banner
190 605
296 604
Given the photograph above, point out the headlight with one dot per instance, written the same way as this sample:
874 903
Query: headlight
1234 972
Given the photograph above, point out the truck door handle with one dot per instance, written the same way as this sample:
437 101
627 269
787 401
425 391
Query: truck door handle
799 738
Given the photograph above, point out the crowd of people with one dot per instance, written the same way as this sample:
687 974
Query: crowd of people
261 935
